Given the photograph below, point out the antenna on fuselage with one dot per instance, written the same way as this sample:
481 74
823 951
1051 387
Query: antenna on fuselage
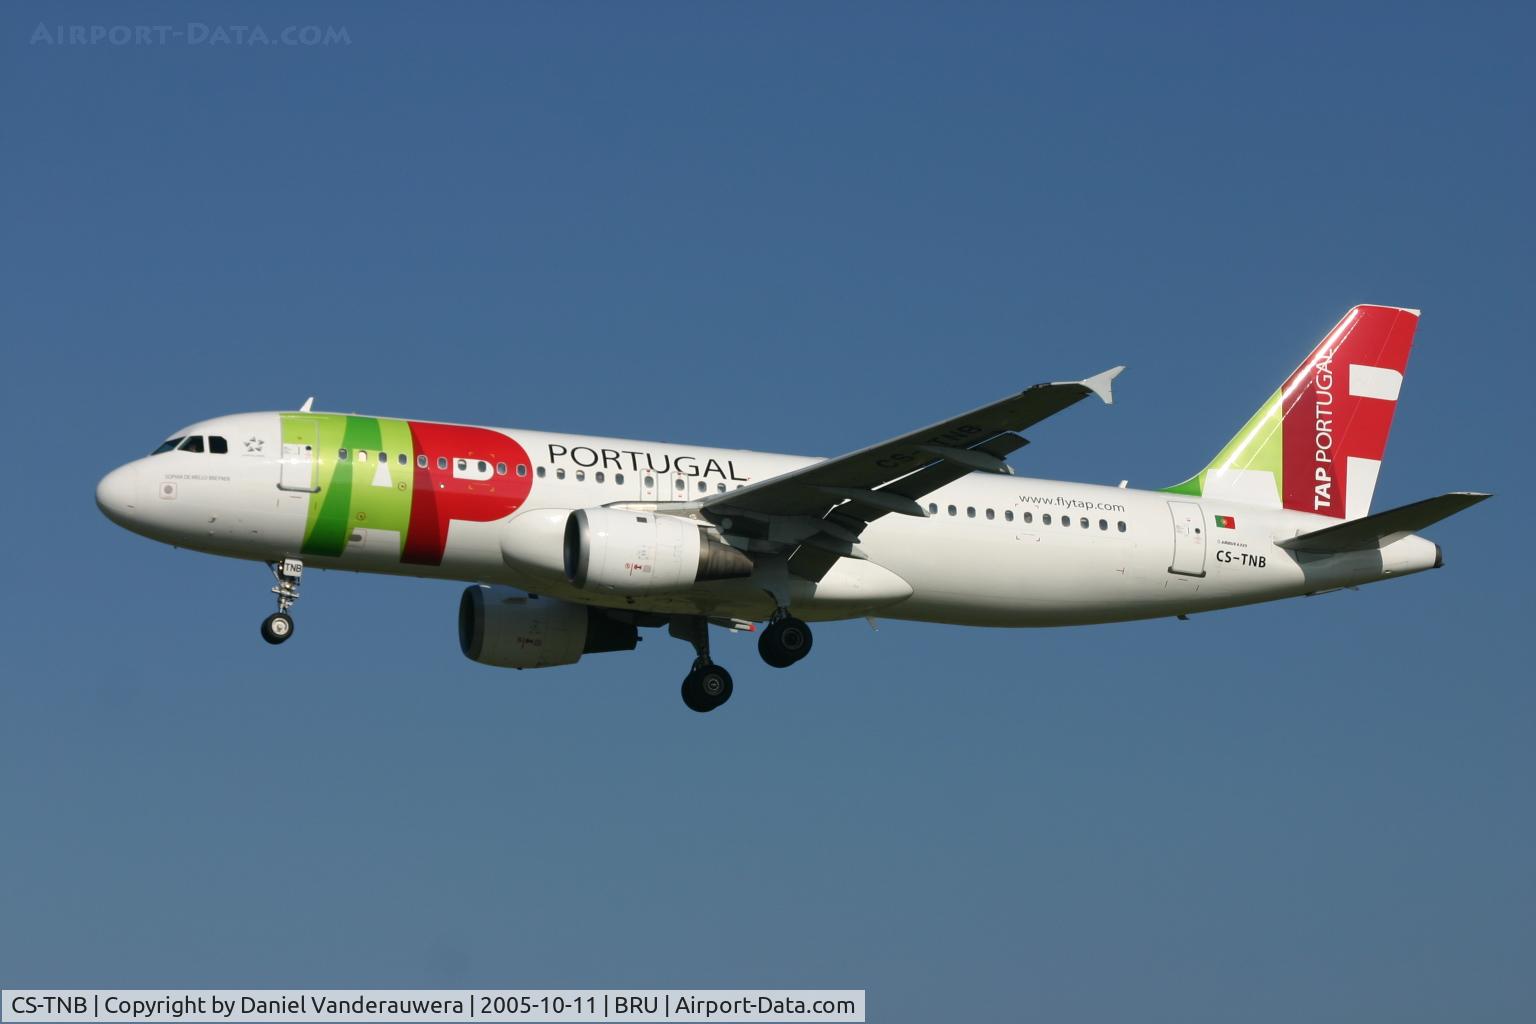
308 403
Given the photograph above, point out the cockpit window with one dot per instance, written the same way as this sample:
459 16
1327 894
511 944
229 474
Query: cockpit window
192 444
217 445
166 446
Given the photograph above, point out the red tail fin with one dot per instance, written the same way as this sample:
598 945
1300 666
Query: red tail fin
1338 410
1316 444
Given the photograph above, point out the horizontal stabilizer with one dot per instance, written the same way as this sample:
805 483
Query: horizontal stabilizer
1383 528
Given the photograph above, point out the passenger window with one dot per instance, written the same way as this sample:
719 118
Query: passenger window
384 457
1066 520
720 488
218 446
539 472
522 470
421 462
581 474
501 469
481 466
1122 526
1008 515
650 481
559 474
933 508
970 511
341 455
678 484
1083 522
1103 524
166 446
703 486
403 460
1029 517
1046 519
618 478
192 444
461 465
362 456
951 510
991 514
598 476
442 462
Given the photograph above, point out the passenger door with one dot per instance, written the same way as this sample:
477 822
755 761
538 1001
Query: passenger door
1188 538
297 471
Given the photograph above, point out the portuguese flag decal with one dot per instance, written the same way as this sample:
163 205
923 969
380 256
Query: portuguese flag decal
1226 523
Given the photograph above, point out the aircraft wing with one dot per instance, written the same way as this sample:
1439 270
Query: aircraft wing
843 494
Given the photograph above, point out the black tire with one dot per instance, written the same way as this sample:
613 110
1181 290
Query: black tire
705 689
784 642
277 627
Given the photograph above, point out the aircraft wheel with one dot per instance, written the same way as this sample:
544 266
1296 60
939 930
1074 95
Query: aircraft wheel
784 642
706 688
277 627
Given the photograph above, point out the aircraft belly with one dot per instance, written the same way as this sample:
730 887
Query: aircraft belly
1010 577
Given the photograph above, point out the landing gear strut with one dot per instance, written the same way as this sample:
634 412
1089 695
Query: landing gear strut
708 685
785 640
277 627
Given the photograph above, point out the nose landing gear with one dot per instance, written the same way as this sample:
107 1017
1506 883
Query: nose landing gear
278 626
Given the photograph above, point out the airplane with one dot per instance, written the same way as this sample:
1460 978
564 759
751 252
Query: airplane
572 544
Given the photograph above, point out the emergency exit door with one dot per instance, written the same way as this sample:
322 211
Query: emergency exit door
1188 538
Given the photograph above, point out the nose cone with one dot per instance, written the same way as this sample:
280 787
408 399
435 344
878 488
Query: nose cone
118 494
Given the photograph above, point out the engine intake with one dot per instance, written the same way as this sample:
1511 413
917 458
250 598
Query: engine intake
627 552
508 628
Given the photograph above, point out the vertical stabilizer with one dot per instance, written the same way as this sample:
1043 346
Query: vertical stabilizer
1316 445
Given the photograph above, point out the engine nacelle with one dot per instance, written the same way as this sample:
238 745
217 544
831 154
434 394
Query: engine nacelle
506 627
531 545
624 552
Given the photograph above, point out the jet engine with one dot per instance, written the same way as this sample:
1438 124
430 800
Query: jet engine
623 552
508 628
531 545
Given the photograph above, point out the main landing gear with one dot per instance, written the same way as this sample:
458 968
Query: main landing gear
785 640
278 626
708 685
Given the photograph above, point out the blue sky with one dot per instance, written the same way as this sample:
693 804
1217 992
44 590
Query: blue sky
799 228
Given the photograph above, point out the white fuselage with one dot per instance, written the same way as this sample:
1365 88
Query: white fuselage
994 550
